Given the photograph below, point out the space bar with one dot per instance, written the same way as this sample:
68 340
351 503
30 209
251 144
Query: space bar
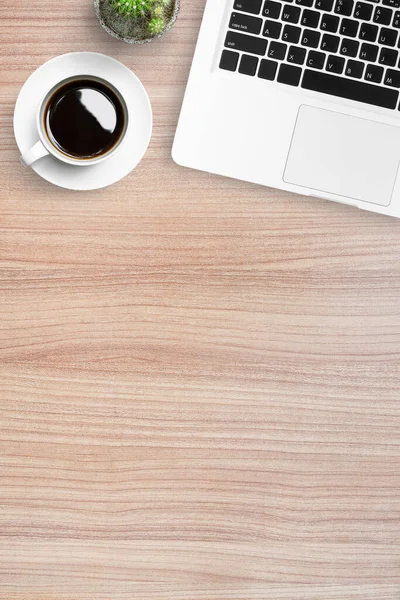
350 89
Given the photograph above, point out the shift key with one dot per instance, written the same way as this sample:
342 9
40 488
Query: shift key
245 23
245 43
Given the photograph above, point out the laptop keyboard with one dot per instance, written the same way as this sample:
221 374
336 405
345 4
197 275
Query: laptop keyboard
344 48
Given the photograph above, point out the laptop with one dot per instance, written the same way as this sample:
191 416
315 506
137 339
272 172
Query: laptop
301 95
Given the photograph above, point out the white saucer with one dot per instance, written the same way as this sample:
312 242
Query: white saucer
137 136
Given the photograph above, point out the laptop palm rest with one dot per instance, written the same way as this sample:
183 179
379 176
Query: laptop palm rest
355 158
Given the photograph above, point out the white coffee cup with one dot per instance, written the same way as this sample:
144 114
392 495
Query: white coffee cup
47 144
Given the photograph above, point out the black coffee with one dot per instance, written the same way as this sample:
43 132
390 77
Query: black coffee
84 118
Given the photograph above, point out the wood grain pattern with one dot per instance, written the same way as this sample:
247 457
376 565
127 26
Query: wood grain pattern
199 378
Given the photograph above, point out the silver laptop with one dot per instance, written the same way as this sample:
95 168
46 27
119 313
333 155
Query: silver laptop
301 95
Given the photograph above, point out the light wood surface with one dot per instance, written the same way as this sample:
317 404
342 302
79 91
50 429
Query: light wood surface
200 380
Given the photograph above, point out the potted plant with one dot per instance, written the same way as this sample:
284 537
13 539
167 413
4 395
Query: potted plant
136 21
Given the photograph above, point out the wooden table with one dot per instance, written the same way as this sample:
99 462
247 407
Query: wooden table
200 383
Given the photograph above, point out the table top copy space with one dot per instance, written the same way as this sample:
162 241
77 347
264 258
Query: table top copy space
199 377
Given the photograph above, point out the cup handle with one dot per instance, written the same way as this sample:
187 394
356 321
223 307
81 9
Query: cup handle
37 151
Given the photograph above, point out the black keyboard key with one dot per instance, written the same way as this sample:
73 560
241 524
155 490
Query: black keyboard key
296 55
289 74
291 34
387 37
248 65
245 43
310 18
396 20
349 47
363 11
325 5
374 74
392 78
369 52
245 23
354 69
229 60
391 3
306 3
310 38
382 15
272 29
267 69
272 10
291 14
348 28
368 32
277 50
350 89
250 6
335 64
330 43
344 7
315 59
388 57
329 23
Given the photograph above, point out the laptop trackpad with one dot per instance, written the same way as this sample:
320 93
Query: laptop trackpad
344 155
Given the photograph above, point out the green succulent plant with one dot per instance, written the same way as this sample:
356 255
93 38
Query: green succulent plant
150 14
156 25
132 8
158 11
